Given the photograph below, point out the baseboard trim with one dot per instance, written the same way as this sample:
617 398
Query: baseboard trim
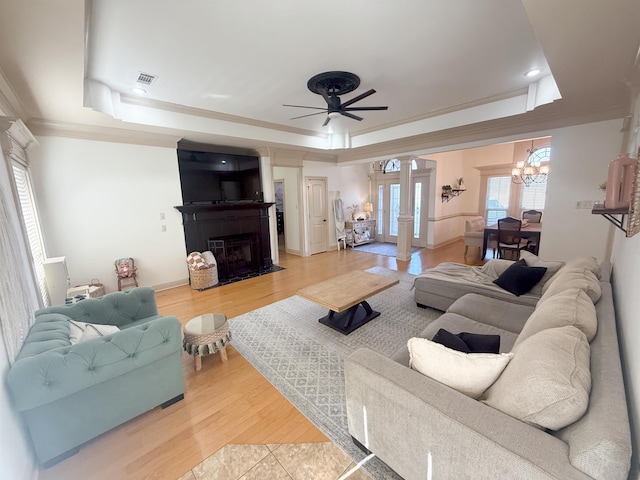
168 285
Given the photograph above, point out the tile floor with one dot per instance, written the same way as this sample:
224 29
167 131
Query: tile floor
301 461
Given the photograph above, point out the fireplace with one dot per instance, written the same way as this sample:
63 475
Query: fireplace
236 233
237 255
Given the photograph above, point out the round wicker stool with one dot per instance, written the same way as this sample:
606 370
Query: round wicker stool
205 335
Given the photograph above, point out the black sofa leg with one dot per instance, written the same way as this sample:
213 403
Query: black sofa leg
421 305
176 399
361 446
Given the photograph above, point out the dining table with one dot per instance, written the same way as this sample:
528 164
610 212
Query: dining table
530 230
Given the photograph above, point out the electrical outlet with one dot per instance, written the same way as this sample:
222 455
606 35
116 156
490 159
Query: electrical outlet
586 204
164 228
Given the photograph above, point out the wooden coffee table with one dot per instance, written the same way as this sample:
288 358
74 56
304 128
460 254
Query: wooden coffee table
345 297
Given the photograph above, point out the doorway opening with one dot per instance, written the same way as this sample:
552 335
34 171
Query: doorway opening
278 188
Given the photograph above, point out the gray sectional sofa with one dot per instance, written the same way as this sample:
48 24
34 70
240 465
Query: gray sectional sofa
70 393
528 423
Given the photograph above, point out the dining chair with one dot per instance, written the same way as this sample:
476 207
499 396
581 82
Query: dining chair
509 239
532 216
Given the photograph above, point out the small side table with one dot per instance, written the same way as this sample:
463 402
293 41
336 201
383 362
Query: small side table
206 335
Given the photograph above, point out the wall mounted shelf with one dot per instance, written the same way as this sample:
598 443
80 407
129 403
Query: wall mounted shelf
609 214
449 194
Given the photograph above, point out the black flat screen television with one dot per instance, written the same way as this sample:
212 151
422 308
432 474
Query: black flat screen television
209 178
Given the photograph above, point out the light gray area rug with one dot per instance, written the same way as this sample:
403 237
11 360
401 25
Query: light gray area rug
380 248
303 359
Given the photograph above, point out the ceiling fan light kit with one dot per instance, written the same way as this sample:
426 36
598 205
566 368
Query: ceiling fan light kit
330 85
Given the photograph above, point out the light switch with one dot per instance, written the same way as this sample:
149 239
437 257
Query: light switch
162 216
164 228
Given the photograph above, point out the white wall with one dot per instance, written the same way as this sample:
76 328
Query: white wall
625 279
100 201
579 159
354 185
447 222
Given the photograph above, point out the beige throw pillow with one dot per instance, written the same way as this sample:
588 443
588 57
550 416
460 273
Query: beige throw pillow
571 307
588 262
468 373
496 267
548 381
576 277
535 261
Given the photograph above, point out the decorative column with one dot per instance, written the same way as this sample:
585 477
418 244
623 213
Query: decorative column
266 172
405 219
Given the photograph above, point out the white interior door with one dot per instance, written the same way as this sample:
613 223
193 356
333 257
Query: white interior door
318 215
388 193
388 209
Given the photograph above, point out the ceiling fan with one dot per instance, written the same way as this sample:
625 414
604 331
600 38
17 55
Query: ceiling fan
331 85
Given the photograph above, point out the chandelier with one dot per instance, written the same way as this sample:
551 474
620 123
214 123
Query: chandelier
530 170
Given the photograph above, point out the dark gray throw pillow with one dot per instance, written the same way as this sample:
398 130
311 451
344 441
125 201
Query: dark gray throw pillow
481 343
468 342
450 340
519 278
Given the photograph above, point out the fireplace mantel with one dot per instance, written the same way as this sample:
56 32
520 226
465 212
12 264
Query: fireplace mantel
209 207
206 221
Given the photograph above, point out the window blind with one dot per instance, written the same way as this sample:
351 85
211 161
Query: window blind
32 226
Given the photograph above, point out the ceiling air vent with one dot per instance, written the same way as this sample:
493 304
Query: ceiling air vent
145 78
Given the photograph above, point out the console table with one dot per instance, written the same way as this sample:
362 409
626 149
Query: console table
360 232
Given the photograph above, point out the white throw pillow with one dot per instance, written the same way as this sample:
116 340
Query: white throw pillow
468 373
81 332
548 382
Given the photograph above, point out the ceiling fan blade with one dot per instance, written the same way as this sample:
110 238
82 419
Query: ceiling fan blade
354 109
326 122
350 115
358 98
309 115
304 106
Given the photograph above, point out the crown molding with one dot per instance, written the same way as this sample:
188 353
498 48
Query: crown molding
10 103
39 126
539 120
200 112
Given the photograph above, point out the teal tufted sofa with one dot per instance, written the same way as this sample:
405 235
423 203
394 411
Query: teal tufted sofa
69 394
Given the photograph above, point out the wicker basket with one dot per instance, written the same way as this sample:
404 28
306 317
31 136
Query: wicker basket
204 278
99 292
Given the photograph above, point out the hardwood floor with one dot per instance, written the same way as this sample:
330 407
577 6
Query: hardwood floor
225 403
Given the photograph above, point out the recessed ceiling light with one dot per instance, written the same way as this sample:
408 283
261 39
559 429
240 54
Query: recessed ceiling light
532 73
138 90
